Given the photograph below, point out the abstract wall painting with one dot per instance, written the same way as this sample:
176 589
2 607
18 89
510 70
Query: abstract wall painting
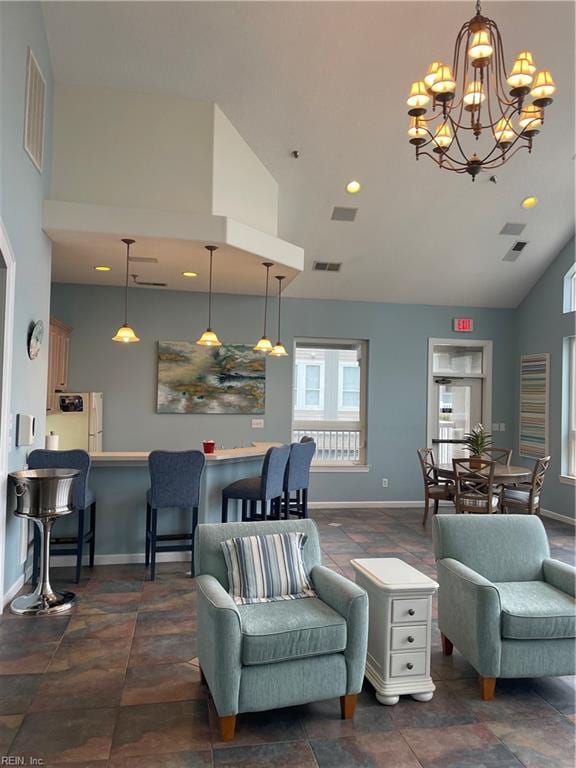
534 405
215 380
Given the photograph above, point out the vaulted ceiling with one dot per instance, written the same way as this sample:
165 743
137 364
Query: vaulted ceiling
331 79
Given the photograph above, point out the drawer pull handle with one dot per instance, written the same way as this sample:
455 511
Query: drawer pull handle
410 665
410 638
411 611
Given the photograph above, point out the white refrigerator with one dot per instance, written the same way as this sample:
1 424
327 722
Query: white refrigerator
77 420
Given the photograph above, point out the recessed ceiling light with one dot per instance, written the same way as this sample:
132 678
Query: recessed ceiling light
102 268
529 202
189 274
353 187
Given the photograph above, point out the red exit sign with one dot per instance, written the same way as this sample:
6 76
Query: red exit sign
463 324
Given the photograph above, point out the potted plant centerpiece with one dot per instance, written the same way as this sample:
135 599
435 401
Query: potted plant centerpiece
477 441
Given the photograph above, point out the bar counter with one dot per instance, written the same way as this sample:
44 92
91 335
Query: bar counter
120 480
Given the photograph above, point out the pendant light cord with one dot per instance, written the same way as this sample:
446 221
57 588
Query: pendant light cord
279 303
266 299
210 293
126 286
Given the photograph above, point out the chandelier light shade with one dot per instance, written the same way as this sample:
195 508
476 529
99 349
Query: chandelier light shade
125 334
279 350
264 344
481 112
209 338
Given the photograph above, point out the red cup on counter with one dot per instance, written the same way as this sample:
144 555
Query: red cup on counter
208 446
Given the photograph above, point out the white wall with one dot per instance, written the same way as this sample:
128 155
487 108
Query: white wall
243 188
132 150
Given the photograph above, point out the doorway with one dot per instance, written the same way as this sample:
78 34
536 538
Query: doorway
7 282
459 394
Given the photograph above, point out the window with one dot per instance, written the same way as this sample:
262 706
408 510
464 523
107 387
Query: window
570 290
349 387
309 385
329 399
571 420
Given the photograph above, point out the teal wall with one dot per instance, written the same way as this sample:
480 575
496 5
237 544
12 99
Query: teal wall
23 189
397 335
542 327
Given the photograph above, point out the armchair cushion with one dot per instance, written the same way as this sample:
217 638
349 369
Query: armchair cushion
518 495
292 629
534 610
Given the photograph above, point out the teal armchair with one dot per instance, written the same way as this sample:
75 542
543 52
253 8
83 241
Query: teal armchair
502 601
270 655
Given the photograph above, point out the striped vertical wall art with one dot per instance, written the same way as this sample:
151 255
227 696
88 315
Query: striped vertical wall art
534 405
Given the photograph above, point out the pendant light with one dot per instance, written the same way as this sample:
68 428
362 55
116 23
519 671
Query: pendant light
264 344
125 334
209 338
278 350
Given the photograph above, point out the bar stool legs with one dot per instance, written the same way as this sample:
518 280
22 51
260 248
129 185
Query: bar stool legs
153 531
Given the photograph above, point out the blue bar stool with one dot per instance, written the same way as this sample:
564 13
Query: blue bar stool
82 499
174 482
297 478
264 488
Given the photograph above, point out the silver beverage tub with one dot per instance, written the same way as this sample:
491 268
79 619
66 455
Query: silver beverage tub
43 495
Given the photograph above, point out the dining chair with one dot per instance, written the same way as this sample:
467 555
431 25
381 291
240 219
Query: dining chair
525 497
474 486
175 478
498 455
82 499
297 478
435 490
266 488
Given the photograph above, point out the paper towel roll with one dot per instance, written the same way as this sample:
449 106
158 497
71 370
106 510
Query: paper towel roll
52 442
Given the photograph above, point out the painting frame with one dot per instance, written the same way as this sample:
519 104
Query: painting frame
196 380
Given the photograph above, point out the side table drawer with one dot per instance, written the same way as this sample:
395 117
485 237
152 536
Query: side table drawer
408 638
409 610
407 664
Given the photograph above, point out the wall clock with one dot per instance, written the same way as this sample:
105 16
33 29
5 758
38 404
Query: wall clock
35 338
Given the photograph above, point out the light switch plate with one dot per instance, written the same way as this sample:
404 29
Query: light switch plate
495 427
257 423
502 427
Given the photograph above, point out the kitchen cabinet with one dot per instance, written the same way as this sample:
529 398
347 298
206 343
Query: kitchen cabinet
58 360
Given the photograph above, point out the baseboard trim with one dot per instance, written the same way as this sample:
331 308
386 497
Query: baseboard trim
120 559
371 504
16 587
557 516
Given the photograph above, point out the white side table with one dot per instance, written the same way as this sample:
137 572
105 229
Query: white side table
400 607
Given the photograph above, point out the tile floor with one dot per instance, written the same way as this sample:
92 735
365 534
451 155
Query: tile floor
113 685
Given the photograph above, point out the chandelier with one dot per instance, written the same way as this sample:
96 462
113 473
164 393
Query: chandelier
484 107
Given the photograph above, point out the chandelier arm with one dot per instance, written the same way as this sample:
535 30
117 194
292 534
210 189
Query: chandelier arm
441 165
486 158
457 140
498 162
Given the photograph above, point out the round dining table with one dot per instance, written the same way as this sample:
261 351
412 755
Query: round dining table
503 473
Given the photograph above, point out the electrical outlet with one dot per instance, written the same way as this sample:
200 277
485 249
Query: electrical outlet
384 482
257 423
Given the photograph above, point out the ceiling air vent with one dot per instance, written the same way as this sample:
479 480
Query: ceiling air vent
326 266
515 251
34 112
512 228
343 214
143 260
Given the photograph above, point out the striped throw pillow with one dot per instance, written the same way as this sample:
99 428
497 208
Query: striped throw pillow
265 569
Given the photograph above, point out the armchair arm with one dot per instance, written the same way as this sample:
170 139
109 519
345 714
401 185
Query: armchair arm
219 643
469 615
351 602
560 575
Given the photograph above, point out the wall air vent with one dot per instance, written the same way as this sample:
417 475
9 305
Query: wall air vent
512 228
34 112
515 251
343 214
144 282
326 266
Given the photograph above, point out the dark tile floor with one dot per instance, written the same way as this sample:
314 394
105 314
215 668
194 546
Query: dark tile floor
115 683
